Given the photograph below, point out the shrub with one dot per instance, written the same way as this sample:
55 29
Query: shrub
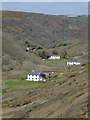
26 42
82 113
84 83
70 83
72 75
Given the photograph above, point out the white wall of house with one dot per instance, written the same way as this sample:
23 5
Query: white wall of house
34 78
54 57
27 48
72 16
73 63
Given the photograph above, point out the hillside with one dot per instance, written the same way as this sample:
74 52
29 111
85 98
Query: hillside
43 30
65 92
38 30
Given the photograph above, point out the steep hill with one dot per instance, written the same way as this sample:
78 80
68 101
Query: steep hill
43 30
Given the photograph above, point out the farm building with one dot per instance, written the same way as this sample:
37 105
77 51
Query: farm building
36 76
28 49
54 57
73 62
72 16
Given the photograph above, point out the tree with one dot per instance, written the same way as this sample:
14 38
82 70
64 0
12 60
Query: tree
64 54
55 52
44 55
26 42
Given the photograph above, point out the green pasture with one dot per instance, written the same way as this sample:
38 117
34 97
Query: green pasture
83 20
3 91
61 47
87 66
62 60
21 83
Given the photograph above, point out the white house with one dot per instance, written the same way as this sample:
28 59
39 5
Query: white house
72 16
28 49
35 76
54 57
73 63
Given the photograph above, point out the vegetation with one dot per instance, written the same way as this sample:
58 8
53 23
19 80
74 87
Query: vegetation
65 92
83 20
21 83
62 60
55 52
44 54
64 54
86 66
3 91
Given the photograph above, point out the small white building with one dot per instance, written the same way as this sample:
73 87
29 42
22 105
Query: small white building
35 76
73 63
54 57
72 16
28 49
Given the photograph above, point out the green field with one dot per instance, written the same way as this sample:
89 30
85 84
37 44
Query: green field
3 91
87 66
21 83
40 50
61 47
58 60
83 20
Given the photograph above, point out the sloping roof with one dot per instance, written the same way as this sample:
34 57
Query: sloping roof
34 72
55 55
42 74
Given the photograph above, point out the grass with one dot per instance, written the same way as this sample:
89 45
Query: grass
61 78
40 50
62 60
21 83
3 91
12 14
79 95
86 66
60 47
83 20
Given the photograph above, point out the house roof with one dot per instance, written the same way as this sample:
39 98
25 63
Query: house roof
42 73
34 72
55 55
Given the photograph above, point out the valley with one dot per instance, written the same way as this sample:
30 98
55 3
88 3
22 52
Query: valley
64 94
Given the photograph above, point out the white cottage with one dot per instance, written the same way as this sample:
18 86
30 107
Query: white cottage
28 49
73 63
72 16
35 76
54 57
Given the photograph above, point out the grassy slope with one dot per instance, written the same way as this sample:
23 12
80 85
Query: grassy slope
47 99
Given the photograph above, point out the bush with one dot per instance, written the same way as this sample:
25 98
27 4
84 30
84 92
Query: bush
73 75
26 42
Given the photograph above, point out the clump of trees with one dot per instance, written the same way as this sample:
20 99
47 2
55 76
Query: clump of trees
64 54
55 52
26 42
44 54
